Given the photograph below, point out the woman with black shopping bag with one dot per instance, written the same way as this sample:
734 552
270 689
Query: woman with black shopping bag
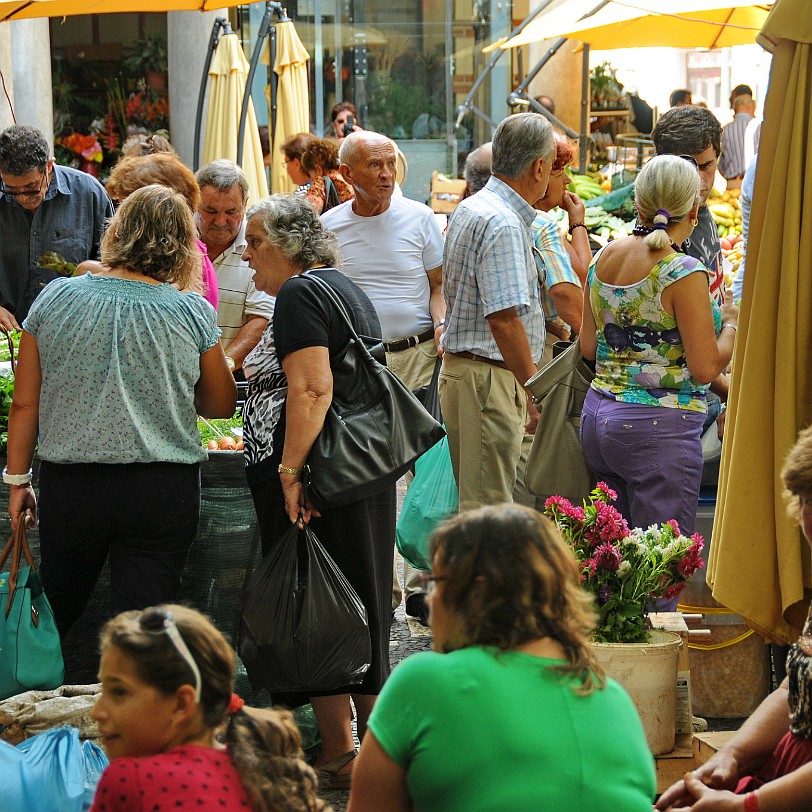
294 373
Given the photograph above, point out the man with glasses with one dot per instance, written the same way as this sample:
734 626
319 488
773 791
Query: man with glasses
43 207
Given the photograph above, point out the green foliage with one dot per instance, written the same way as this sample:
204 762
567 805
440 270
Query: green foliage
148 54
6 394
215 429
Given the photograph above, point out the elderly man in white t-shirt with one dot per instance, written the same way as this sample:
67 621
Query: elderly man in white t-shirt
392 249
243 311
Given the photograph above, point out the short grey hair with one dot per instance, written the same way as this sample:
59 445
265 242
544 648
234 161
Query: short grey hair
353 145
745 100
222 175
477 170
23 149
518 141
294 228
667 184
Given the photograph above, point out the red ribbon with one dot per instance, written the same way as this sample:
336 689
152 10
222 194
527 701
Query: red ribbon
235 704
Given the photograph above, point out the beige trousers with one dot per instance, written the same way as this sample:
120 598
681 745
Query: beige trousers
485 409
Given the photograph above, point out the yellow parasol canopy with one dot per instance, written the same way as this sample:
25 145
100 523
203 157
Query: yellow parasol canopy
292 98
643 23
759 563
227 74
30 9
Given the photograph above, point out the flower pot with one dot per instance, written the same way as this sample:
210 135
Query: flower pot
648 672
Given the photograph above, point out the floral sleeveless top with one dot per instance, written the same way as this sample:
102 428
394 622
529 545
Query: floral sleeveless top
640 357
799 673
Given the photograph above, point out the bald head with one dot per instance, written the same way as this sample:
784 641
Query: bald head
368 162
355 146
744 104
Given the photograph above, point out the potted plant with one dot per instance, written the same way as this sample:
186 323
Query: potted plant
148 58
627 571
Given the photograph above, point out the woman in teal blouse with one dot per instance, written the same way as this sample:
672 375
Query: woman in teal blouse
114 367
511 711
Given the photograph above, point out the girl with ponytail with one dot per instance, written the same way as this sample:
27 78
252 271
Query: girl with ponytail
166 703
658 340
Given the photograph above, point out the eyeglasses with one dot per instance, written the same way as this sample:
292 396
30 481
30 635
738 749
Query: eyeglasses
690 159
24 192
161 621
429 581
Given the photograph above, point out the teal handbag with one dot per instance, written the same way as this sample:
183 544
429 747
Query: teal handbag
30 650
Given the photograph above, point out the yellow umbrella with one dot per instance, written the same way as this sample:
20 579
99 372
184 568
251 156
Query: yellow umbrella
292 98
30 9
759 563
227 75
686 24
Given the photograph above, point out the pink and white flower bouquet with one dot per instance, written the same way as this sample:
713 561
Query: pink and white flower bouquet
626 570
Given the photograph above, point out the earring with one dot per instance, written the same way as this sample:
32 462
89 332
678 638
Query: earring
695 222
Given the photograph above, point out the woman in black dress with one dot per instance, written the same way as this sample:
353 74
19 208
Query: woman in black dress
292 375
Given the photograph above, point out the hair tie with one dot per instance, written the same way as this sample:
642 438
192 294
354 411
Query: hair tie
661 219
235 704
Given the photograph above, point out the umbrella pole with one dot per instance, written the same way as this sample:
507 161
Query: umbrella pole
585 104
220 22
264 30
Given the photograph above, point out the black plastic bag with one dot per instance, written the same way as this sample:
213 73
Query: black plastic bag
302 626
429 395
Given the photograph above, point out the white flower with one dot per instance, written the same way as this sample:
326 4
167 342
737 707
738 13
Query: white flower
650 356
624 569
614 296
650 311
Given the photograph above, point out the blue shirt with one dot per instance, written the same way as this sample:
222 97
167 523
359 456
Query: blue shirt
488 266
70 221
552 260
120 360
748 185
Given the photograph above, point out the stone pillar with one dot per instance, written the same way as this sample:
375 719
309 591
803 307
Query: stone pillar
31 66
188 34
8 76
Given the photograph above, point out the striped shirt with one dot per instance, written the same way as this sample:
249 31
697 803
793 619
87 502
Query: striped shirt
552 254
488 266
731 161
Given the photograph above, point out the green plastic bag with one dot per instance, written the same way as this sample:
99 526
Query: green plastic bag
431 499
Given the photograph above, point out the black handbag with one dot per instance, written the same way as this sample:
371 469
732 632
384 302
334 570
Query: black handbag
374 429
302 625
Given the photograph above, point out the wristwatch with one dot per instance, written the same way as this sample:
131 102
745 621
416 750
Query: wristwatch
230 362
17 479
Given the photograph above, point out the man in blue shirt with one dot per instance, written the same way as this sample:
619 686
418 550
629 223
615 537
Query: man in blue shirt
494 331
43 207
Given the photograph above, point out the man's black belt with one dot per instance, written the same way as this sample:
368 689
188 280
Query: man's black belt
400 344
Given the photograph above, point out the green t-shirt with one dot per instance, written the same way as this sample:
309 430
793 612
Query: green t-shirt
477 730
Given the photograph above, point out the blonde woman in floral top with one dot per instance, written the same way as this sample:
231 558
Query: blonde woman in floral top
658 341
767 765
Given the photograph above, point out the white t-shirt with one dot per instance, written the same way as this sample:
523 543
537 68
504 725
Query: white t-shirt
387 256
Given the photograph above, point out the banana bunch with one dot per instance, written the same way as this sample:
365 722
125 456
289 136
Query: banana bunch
585 187
726 212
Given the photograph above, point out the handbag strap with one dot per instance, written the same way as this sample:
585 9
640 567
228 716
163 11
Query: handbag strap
331 198
16 546
10 349
330 293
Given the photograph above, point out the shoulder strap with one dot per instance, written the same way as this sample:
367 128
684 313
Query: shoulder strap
16 546
331 199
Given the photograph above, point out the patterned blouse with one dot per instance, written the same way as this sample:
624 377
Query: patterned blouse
316 194
799 673
640 356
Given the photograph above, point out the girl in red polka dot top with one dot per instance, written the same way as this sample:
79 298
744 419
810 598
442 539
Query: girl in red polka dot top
167 675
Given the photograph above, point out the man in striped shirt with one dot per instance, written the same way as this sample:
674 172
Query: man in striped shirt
731 162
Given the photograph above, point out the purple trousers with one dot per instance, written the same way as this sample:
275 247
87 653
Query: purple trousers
650 455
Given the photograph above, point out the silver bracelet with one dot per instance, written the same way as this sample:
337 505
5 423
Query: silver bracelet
730 326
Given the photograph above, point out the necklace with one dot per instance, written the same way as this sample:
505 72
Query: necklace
640 230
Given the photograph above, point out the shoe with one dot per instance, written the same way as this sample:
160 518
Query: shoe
417 607
329 776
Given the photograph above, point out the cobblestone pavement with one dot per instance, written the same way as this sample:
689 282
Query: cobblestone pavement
407 637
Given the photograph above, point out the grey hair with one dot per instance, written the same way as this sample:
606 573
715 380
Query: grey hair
23 149
745 100
518 141
670 183
353 145
295 229
477 170
222 175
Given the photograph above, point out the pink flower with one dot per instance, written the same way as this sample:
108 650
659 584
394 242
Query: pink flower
611 526
690 564
608 556
576 513
556 502
698 544
673 591
673 523
606 491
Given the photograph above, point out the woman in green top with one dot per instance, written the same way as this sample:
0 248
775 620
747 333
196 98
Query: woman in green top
512 712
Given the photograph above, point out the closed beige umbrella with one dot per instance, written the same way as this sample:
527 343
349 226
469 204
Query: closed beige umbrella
759 563
292 98
227 74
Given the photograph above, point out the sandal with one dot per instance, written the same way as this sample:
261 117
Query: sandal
329 776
